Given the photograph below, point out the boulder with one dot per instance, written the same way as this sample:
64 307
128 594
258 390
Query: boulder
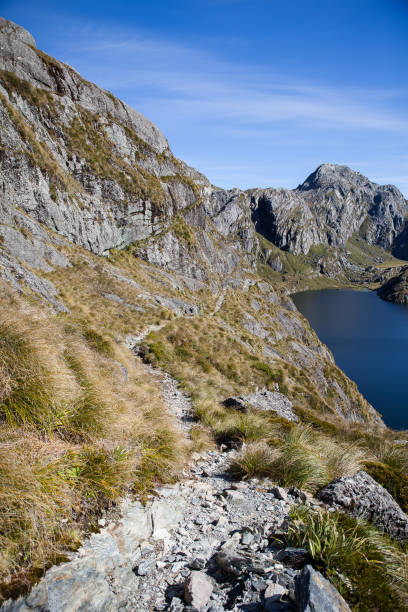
315 594
269 401
237 562
360 495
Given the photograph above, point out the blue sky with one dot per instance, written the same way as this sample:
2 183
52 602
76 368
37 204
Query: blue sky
251 92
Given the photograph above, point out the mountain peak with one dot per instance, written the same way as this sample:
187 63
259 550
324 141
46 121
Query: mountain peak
333 175
20 56
9 29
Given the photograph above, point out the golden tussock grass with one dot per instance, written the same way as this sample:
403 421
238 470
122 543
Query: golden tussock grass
301 457
81 423
369 569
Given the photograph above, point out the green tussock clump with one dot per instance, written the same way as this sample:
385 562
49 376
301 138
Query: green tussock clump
367 568
98 342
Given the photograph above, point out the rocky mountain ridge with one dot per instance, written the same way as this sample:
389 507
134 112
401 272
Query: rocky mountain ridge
79 161
333 203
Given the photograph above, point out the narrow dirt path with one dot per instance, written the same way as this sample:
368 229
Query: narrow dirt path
177 402
219 302
205 528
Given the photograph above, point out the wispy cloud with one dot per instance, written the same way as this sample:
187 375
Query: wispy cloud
217 108
191 82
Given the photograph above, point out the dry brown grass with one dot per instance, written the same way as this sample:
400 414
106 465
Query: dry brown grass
81 422
301 457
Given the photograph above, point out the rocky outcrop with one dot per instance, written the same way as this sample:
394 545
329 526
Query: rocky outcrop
360 495
332 204
269 401
396 288
79 161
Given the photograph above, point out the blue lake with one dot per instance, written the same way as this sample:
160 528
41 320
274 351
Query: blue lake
369 340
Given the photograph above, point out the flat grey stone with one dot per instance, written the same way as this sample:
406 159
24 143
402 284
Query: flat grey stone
198 589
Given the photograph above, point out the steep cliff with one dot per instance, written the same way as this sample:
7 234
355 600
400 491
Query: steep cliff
395 289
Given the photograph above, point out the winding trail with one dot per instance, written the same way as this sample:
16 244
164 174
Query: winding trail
204 525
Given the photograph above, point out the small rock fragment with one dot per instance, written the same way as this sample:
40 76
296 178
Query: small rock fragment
273 594
279 493
197 589
145 567
294 557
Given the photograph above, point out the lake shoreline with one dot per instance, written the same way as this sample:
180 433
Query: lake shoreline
367 337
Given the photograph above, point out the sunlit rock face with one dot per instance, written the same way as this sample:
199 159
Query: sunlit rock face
332 204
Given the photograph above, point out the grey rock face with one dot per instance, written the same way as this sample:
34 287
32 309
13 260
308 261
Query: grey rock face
360 495
137 189
315 594
18 44
332 204
264 400
48 173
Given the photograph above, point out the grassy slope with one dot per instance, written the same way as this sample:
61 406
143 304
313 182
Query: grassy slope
300 272
82 435
81 424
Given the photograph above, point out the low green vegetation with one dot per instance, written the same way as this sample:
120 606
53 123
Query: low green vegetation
320 268
394 479
368 569
364 254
